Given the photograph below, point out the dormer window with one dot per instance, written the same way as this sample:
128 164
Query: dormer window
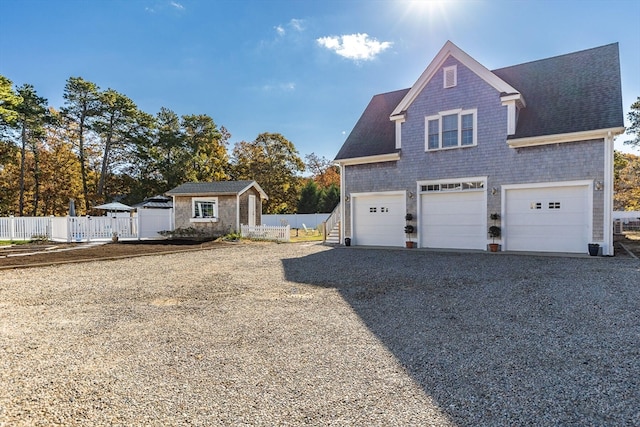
451 129
450 76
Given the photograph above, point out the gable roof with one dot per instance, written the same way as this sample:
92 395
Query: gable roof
374 133
570 93
216 188
575 92
450 49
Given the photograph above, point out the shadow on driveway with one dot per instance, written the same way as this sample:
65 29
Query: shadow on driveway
499 340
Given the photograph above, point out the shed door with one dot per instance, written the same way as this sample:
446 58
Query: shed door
252 210
378 220
547 219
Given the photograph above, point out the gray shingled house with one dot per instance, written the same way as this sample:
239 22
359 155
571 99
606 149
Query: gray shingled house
532 143
217 208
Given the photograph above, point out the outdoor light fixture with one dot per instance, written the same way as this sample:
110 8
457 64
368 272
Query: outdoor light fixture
410 194
494 191
598 185
346 198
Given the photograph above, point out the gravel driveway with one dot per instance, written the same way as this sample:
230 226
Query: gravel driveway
301 334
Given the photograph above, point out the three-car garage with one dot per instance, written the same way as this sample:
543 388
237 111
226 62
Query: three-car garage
540 217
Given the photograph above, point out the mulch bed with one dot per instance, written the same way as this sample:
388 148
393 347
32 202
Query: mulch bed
44 254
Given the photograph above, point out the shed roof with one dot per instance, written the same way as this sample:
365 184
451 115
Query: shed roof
230 188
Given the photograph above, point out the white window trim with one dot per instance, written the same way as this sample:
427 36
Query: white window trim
445 70
460 112
204 199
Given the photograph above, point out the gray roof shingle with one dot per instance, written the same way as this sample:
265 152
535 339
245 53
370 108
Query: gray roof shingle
575 92
374 133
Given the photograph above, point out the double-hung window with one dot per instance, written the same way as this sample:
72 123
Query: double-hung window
204 209
451 129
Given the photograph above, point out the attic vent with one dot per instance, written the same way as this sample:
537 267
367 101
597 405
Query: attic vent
450 76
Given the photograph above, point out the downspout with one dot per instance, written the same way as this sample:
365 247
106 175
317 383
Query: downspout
343 218
608 196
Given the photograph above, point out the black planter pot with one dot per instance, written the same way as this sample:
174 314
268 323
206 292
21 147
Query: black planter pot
594 248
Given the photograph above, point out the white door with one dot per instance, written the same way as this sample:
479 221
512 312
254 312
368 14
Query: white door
252 210
453 219
547 219
378 220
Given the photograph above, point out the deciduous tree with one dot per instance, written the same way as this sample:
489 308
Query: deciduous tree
626 182
273 162
207 146
323 171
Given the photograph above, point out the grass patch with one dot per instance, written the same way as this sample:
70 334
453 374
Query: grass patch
14 242
299 235
632 235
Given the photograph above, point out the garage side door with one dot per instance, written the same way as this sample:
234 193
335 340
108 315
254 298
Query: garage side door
549 219
453 220
378 220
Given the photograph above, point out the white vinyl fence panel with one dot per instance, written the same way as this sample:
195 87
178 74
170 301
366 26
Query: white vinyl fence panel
295 220
152 221
87 228
24 228
266 232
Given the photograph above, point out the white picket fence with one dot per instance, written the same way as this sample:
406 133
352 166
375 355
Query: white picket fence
266 232
25 228
145 224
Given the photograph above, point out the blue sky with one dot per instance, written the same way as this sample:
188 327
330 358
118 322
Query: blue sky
303 68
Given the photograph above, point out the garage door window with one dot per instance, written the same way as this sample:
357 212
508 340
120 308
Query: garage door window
454 186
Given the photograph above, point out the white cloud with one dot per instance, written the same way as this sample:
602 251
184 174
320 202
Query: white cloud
177 5
354 46
294 24
297 24
282 87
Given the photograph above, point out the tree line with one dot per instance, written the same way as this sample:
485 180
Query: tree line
99 146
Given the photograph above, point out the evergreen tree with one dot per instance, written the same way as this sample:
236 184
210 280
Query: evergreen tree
309 198
82 106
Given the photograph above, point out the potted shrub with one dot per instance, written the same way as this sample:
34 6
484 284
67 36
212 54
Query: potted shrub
494 232
409 229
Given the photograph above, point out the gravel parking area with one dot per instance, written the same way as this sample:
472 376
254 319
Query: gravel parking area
265 334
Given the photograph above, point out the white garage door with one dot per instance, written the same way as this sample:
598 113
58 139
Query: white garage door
378 220
455 219
547 219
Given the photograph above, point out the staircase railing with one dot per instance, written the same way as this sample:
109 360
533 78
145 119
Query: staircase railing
331 222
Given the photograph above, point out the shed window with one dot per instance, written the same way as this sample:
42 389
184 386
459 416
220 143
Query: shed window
205 208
